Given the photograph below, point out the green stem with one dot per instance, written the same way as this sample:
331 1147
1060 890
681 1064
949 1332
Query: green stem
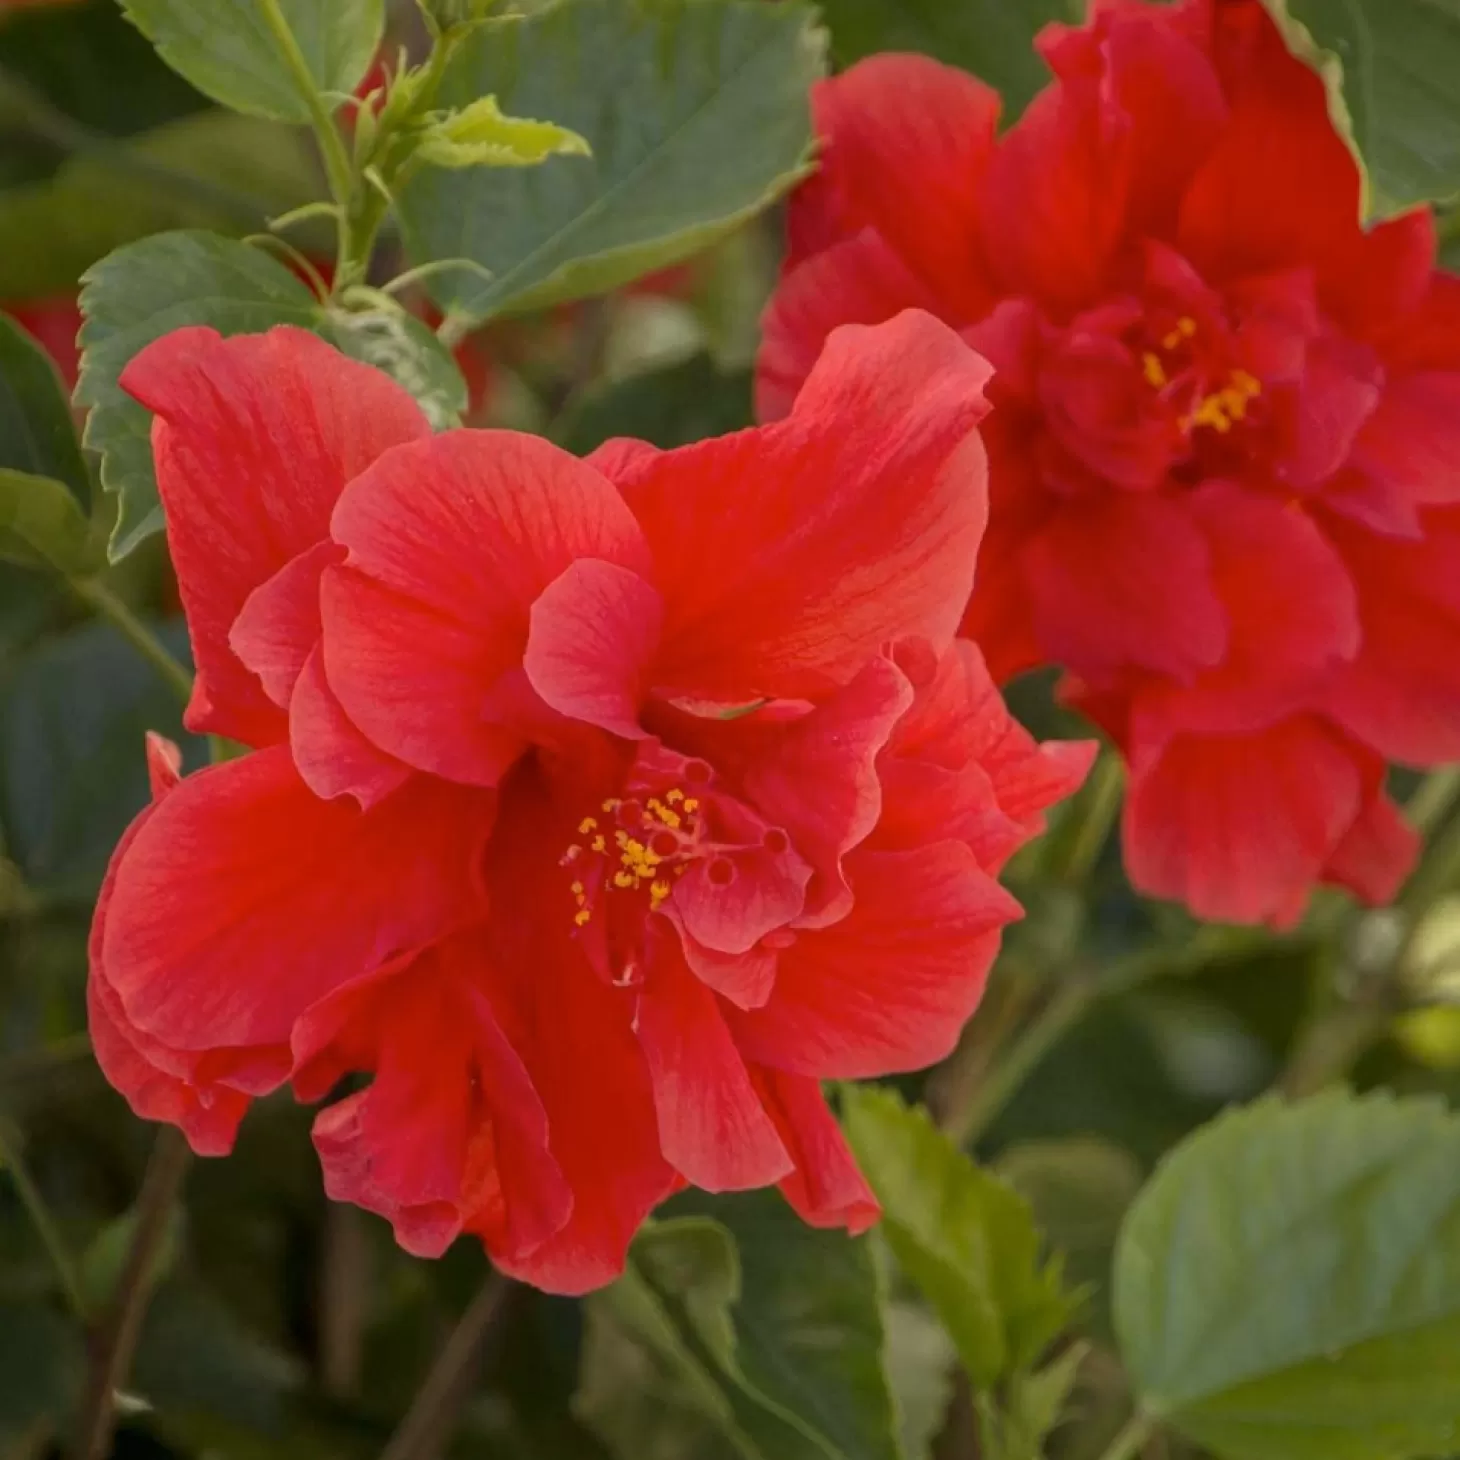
45 1226
115 1344
135 632
337 165
1434 798
30 1063
1130 1440
1100 807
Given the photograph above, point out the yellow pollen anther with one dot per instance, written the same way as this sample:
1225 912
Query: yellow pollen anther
623 879
573 853
1155 371
691 805
674 797
658 891
1186 326
598 844
612 804
588 824
582 917
576 889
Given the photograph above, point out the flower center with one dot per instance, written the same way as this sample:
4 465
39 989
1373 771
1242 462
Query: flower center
1172 369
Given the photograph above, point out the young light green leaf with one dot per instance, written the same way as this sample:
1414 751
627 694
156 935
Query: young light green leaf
37 433
991 38
228 50
480 136
963 1236
1287 1286
1015 1424
135 296
921 1365
42 527
1390 66
697 115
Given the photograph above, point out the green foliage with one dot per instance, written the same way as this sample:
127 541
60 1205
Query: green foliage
992 38
1287 1287
37 434
480 136
742 1334
105 1258
962 1235
227 49
170 280
1393 65
42 527
41 1364
697 115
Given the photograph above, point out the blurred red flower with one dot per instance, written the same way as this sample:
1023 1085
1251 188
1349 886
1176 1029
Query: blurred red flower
598 810
54 325
1224 483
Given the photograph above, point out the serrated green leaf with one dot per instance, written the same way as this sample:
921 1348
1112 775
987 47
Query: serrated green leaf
697 115
226 49
754 1337
991 38
479 135
163 283
37 433
962 1235
1287 1286
42 527
1390 66
1016 1424
213 170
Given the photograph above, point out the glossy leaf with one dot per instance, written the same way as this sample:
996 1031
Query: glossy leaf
227 50
962 1235
697 115
1287 1286
992 38
42 527
37 433
1393 64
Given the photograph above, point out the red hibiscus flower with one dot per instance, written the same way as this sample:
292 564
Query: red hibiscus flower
54 325
1224 489
598 810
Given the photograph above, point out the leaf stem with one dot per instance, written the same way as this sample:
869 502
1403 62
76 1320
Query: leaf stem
1100 806
1131 1438
114 1344
99 597
1434 797
438 1403
337 166
44 1224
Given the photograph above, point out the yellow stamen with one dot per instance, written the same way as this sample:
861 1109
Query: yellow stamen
1155 371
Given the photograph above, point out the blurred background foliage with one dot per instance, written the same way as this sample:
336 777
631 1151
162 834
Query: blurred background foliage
283 1327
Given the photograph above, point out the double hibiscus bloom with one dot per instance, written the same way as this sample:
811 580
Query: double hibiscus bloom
1225 449
596 810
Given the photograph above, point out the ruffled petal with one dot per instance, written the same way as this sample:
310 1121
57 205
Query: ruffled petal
788 555
450 543
890 986
1411 443
254 440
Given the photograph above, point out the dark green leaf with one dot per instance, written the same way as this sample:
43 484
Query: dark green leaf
212 170
962 1235
73 714
226 49
105 1257
37 433
992 38
675 406
42 1359
42 527
698 117
1287 1286
754 1337
1391 65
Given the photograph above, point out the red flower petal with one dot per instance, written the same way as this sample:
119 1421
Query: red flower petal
905 142
788 555
1378 852
890 986
1411 443
1241 827
712 1126
243 898
254 440
278 627
451 541
1124 578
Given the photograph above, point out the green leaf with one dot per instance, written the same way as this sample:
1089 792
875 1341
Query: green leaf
697 114
73 714
42 527
37 433
1287 1286
480 136
992 38
1390 66
963 1236
746 1334
42 1360
212 170
226 49
673 406
106 1256
1015 1425
920 1367
160 284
